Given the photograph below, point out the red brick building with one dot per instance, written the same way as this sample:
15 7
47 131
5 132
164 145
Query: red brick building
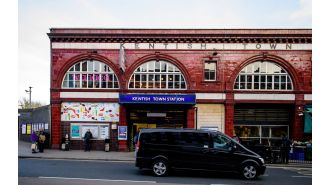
254 83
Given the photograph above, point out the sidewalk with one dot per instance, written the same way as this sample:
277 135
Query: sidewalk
24 151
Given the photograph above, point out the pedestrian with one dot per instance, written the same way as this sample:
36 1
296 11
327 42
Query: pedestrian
34 140
87 140
41 141
285 149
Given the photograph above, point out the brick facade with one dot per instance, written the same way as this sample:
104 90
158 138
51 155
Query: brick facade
190 62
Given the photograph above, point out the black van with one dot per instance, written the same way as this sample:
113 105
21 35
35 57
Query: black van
165 149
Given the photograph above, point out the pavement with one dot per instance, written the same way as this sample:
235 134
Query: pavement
24 151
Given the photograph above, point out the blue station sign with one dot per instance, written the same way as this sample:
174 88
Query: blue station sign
158 98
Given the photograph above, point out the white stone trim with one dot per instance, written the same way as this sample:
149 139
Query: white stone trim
183 46
210 96
307 96
89 95
264 96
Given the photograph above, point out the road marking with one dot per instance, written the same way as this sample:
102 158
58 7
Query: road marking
302 176
106 180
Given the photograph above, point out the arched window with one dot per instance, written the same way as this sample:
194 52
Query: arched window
157 75
263 75
90 74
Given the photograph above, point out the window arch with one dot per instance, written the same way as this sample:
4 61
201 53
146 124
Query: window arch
157 75
91 74
263 75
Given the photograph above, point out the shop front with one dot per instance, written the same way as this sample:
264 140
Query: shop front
156 111
100 118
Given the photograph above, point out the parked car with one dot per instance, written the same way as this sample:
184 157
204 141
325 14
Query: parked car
165 149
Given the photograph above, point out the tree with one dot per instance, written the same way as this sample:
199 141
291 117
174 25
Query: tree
24 103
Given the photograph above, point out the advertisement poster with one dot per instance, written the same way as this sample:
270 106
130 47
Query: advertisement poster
104 132
122 132
23 129
94 130
75 111
28 129
75 131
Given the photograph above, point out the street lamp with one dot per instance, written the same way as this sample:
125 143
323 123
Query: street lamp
29 91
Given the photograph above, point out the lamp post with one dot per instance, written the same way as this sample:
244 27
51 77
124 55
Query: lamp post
29 91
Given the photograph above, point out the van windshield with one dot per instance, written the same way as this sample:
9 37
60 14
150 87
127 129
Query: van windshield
221 142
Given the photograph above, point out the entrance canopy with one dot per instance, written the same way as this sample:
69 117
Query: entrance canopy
157 98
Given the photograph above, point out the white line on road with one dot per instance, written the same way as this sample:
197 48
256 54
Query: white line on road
106 180
302 176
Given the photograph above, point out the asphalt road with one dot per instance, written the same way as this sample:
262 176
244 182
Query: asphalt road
53 172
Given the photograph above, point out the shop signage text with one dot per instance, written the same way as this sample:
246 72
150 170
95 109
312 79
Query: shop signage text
157 99
183 46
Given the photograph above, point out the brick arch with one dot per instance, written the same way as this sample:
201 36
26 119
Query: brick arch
166 58
81 57
272 58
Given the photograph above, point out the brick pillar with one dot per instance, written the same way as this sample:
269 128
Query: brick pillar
297 128
122 145
191 117
55 125
229 114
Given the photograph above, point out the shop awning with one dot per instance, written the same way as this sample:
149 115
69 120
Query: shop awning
308 120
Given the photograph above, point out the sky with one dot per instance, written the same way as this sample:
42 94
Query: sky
37 16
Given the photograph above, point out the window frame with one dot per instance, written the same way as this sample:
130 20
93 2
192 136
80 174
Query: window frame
175 73
215 70
107 72
272 69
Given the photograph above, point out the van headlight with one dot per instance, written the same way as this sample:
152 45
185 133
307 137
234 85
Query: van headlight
262 160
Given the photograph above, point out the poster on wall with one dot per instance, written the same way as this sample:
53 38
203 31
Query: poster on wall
122 132
104 132
28 129
94 130
75 111
23 129
75 131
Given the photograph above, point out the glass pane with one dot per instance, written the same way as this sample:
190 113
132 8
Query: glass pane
249 86
103 67
104 81
289 86
170 81
176 69
236 86
276 78
265 131
256 67
77 80
276 86
151 80
71 84
131 84
247 131
283 79
163 81
72 68
276 69
70 76
77 67
151 66
283 86
262 85
212 75
170 68
143 68
90 81
65 84
84 66
256 85
115 84
249 78
110 81
157 81
90 65
263 67
163 67
96 66
249 68
242 78
157 66
279 131
96 80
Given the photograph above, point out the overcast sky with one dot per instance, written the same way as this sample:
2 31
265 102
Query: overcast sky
37 16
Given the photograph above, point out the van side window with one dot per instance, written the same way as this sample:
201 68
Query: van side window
194 139
221 142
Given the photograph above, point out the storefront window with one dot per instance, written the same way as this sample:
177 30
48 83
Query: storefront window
157 75
90 74
273 77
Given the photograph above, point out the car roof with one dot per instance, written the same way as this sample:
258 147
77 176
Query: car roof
150 130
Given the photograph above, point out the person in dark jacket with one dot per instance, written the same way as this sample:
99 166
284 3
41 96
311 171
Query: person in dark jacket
41 141
285 149
87 140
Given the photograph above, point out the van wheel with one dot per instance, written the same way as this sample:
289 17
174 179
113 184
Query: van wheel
160 168
249 171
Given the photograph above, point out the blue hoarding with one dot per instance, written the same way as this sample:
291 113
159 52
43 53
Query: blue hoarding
158 98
